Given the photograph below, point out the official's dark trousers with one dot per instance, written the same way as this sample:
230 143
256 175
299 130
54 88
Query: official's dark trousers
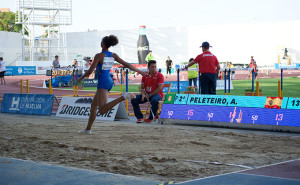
208 83
138 100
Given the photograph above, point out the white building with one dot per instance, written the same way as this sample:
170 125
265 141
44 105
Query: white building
232 42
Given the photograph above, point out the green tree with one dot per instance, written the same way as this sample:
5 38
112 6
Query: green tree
7 22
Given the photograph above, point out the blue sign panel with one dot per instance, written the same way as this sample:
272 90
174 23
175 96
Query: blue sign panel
182 86
284 102
181 98
164 70
262 116
223 100
20 70
292 103
38 104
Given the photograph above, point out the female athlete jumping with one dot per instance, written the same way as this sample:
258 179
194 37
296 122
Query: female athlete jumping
104 61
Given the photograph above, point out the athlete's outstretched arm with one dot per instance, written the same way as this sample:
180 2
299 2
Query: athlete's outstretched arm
126 64
93 66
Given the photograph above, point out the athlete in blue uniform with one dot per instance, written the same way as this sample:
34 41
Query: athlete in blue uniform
104 61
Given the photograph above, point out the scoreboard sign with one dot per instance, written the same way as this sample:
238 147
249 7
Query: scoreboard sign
223 100
282 117
293 103
235 110
62 72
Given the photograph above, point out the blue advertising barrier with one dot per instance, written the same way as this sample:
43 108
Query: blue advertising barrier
20 70
164 70
249 115
37 104
182 86
293 66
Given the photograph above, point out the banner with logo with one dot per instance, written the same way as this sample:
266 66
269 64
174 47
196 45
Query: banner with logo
221 84
293 65
90 82
20 70
42 69
80 107
182 86
37 104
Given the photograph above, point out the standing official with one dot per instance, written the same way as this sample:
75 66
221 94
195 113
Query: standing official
169 64
209 67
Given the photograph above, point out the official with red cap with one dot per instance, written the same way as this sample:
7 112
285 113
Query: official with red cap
209 67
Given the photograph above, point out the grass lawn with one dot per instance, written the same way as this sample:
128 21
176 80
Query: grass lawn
291 87
131 88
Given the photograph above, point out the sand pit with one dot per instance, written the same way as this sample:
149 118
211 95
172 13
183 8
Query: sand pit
153 151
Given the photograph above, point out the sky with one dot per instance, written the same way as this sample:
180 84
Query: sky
130 14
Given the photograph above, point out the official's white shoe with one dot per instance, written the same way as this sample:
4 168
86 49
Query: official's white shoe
85 131
128 95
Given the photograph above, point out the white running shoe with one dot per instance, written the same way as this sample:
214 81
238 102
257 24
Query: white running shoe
85 131
128 95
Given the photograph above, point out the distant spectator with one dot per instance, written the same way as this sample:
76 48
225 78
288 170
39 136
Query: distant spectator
55 62
169 64
232 73
149 56
86 66
2 71
192 75
252 67
75 63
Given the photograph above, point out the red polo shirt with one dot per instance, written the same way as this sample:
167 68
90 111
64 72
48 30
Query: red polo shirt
253 66
151 83
207 62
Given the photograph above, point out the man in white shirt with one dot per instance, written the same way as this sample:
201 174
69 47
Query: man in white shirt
2 71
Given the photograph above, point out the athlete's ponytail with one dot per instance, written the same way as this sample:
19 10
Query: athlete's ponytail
109 41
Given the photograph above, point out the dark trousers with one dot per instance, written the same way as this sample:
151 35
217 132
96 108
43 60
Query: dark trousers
138 100
168 70
208 83
194 80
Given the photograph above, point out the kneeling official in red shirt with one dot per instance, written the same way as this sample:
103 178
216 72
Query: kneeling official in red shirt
151 90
